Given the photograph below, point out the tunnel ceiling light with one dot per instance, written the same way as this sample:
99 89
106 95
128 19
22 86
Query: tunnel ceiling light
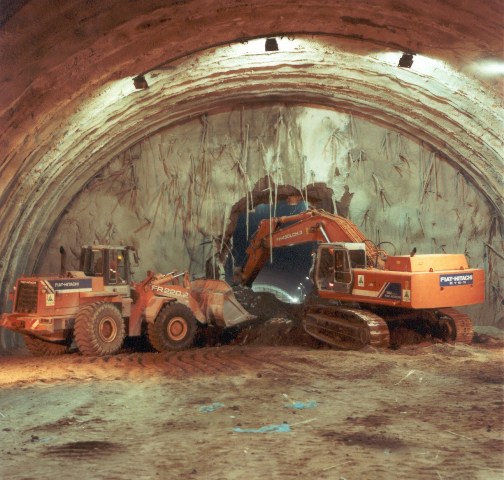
140 82
489 67
406 61
271 45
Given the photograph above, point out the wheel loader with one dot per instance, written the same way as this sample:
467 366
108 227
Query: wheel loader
98 306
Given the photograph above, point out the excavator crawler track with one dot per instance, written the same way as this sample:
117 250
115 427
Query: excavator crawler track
346 328
455 326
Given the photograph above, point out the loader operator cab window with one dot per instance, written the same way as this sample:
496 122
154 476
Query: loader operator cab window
116 272
109 263
98 263
91 262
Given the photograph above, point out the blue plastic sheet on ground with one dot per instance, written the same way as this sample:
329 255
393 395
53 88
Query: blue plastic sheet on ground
302 405
283 427
211 408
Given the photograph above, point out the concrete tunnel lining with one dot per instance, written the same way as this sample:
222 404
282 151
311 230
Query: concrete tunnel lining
161 108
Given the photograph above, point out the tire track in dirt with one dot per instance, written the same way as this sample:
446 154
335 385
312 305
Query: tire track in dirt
151 363
221 366
239 359
282 362
211 358
196 362
193 367
215 361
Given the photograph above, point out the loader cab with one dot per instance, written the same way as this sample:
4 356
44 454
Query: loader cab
110 262
334 264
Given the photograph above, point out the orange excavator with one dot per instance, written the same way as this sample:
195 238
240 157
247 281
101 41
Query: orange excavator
362 294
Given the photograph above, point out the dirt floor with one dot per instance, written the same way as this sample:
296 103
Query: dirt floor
262 401
270 403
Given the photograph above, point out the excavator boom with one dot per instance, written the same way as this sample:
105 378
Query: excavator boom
314 225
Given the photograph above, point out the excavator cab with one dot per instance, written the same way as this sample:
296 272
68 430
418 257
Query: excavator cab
334 264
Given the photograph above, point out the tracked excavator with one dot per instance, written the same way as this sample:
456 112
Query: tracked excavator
361 293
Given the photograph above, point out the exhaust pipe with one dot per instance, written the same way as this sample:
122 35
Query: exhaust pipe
63 261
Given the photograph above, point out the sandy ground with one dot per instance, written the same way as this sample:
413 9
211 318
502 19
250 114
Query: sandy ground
433 411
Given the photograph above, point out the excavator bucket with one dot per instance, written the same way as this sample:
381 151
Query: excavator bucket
217 301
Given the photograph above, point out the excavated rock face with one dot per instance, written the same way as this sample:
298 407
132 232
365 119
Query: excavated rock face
412 155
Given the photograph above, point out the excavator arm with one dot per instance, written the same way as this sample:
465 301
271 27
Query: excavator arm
313 225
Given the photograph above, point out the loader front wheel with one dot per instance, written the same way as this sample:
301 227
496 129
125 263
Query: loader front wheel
99 329
174 328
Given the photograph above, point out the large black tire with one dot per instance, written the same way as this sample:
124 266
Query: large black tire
10 342
41 348
173 330
99 329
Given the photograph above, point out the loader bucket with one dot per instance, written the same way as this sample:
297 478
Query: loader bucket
218 302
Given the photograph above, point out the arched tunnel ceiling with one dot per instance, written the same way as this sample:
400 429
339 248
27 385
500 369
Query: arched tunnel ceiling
68 104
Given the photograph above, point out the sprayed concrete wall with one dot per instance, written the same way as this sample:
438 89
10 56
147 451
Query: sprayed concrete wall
171 194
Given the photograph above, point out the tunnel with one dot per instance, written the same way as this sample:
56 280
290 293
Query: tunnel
155 124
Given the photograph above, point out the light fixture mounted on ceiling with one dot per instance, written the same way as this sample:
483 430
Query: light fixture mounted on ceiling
140 82
406 61
271 45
